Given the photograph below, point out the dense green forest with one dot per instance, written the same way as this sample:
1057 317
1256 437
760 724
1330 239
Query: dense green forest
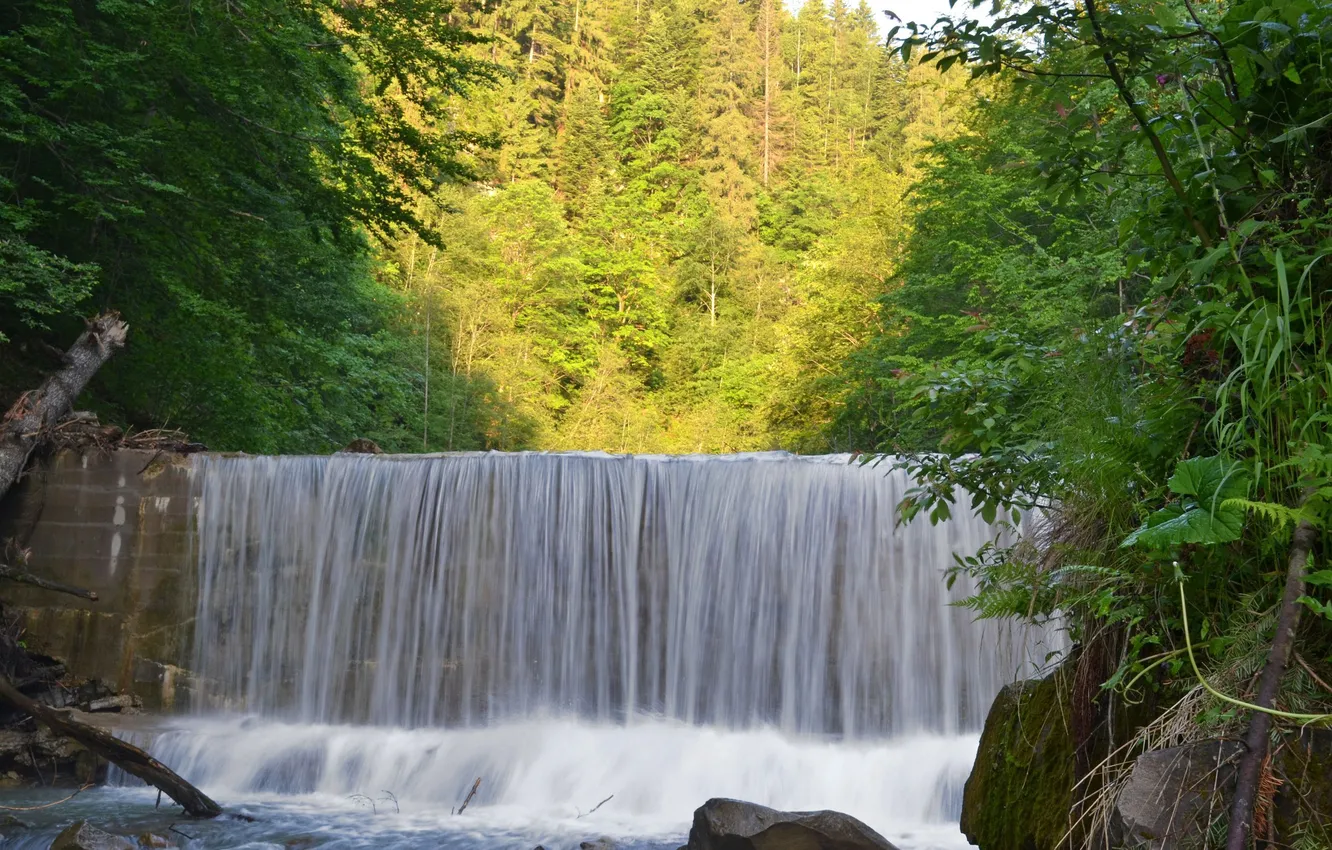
543 224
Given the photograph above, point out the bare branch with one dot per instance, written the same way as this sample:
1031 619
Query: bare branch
14 574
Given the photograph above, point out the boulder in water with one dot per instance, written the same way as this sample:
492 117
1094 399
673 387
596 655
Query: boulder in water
602 843
721 824
1020 791
82 835
11 826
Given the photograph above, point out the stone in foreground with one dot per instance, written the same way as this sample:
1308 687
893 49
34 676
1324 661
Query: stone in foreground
1173 795
721 824
83 836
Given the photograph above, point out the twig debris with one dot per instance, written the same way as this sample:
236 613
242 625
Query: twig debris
582 814
470 795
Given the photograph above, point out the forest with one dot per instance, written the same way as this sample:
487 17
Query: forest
594 224
1064 256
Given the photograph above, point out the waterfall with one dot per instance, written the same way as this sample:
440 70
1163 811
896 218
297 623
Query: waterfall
736 591
569 626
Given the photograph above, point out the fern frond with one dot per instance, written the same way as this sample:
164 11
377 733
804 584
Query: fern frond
1279 515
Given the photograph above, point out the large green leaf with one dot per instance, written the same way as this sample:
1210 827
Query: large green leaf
1209 479
1202 515
1175 525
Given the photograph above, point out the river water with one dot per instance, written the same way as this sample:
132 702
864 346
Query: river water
373 634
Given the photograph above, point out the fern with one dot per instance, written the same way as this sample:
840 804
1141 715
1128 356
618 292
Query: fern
1279 515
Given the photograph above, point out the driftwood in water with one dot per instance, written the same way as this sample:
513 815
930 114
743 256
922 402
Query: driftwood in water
470 795
38 411
125 756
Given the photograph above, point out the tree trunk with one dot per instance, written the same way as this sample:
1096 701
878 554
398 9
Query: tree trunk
127 757
37 411
1269 684
767 88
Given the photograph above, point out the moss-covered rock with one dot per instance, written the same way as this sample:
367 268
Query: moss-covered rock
1020 791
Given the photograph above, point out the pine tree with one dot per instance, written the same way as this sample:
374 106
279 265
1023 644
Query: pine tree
583 151
728 106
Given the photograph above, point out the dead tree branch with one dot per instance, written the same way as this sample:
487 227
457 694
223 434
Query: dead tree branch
582 815
127 757
36 412
1269 684
470 795
23 577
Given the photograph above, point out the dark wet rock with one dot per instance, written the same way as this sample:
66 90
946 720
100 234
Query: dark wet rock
363 446
11 825
602 843
84 836
38 755
1304 802
721 824
1020 791
1172 795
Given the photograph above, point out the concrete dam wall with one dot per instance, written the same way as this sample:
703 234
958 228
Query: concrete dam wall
116 523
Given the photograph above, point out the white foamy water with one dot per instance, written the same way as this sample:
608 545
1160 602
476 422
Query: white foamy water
570 627
541 774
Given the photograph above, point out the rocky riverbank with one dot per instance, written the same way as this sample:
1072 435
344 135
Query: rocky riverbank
1130 782
31 753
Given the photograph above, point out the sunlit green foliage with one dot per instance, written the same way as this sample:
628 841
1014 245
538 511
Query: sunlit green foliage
721 190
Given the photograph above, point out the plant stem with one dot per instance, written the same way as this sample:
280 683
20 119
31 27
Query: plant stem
1269 683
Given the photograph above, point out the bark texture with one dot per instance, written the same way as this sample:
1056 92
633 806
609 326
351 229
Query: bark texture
36 412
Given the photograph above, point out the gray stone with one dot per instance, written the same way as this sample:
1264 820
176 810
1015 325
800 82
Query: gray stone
1172 795
83 836
602 843
721 824
118 702
43 757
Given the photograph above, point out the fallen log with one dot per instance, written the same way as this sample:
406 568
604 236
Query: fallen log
23 577
38 411
123 755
